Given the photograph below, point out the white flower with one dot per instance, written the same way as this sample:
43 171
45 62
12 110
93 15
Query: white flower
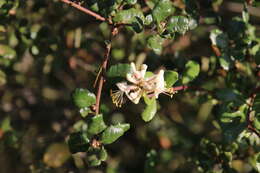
133 92
140 86
135 76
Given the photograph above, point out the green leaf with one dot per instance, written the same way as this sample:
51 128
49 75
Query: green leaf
119 70
83 98
219 38
93 160
150 110
162 10
128 16
254 160
170 77
96 155
192 70
229 117
131 2
103 154
84 111
225 61
245 14
137 25
178 24
148 19
96 124
155 43
7 55
78 142
148 74
113 132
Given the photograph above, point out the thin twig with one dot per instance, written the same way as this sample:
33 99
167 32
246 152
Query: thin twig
85 10
102 79
114 31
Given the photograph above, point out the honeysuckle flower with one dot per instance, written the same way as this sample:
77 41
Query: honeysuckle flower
139 86
157 85
133 92
136 76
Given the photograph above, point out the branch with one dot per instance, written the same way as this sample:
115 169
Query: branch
85 10
114 31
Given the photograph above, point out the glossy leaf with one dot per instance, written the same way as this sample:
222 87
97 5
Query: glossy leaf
155 43
170 77
150 110
83 98
192 70
113 132
128 16
162 10
225 61
96 124
119 70
219 38
178 24
131 2
78 142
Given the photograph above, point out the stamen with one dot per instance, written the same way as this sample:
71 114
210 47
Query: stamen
117 97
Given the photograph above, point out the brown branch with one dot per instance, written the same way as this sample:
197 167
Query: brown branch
249 121
85 10
114 31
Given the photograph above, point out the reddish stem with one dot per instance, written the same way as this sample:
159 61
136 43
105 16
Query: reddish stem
114 31
85 10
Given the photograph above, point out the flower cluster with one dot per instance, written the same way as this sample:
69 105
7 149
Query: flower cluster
138 85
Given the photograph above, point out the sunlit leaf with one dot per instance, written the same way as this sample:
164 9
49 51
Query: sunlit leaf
192 70
162 10
113 132
170 77
83 98
128 16
150 109
178 24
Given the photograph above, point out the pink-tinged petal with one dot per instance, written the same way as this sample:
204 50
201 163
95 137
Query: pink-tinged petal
122 86
143 70
135 95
